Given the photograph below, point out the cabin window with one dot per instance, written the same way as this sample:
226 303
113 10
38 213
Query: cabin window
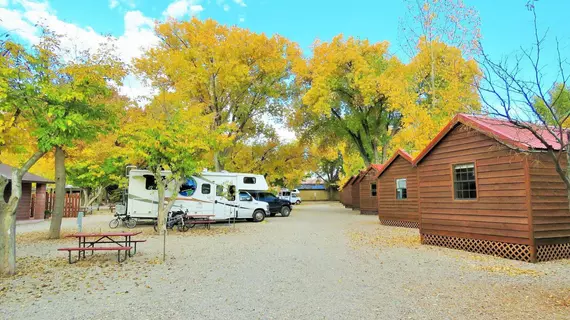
219 190
373 189
150 182
464 185
188 188
249 180
206 188
401 189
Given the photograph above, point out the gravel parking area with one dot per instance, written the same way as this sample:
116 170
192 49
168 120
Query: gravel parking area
322 262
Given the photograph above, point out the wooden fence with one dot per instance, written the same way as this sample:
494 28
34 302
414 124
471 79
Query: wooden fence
71 203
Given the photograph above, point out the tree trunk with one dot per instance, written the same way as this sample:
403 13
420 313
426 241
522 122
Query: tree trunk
8 216
8 230
59 205
96 195
384 153
217 165
161 217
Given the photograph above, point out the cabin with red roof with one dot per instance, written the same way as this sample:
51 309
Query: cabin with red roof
369 190
355 193
346 194
398 192
487 186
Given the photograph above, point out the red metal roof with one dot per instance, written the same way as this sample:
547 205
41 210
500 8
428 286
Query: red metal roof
357 177
498 129
399 153
376 167
347 182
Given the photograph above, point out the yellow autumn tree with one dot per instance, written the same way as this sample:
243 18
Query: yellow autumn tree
351 91
456 92
235 75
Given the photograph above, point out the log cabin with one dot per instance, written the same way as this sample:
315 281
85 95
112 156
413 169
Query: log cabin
29 206
346 193
398 192
486 186
355 193
369 189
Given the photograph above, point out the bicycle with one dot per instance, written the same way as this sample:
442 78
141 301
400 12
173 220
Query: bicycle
175 219
124 219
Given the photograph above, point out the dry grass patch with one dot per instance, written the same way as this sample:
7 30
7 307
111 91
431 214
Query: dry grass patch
385 237
510 270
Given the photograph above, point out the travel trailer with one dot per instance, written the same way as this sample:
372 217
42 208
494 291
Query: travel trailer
218 193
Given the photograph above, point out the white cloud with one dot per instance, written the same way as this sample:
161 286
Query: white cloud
240 3
24 21
241 19
130 4
226 7
181 8
13 22
3 3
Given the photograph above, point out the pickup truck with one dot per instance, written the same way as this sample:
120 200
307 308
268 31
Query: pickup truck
276 205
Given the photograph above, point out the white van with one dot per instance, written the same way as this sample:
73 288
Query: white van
216 193
292 196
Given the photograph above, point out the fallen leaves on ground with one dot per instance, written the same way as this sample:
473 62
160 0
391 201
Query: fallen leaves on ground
509 270
39 276
385 237
559 299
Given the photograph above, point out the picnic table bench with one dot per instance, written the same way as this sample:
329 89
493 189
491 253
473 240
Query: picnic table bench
193 219
128 245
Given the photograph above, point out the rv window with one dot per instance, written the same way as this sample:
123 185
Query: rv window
188 188
231 193
249 180
219 190
206 188
244 196
150 182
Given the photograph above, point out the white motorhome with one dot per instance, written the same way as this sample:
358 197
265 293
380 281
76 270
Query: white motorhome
216 193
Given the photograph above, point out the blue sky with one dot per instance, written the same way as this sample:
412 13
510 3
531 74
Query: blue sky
506 25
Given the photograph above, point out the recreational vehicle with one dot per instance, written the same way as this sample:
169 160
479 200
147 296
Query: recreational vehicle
217 193
291 196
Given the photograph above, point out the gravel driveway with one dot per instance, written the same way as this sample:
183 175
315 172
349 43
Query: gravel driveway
322 262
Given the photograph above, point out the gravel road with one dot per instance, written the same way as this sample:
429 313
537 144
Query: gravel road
322 262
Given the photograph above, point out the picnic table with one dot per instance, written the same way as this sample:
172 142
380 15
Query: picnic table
205 219
124 243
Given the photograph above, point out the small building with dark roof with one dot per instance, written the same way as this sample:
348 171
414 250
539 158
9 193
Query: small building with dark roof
346 193
26 203
398 192
355 193
488 186
369 189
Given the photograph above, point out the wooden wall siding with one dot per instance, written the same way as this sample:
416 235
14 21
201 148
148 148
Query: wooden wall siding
346 196
390 208
24 210
368 203
500 212
549 202
355 203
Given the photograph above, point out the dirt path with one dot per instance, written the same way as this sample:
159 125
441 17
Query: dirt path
323 261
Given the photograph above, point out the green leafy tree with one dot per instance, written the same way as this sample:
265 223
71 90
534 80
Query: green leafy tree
53 99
